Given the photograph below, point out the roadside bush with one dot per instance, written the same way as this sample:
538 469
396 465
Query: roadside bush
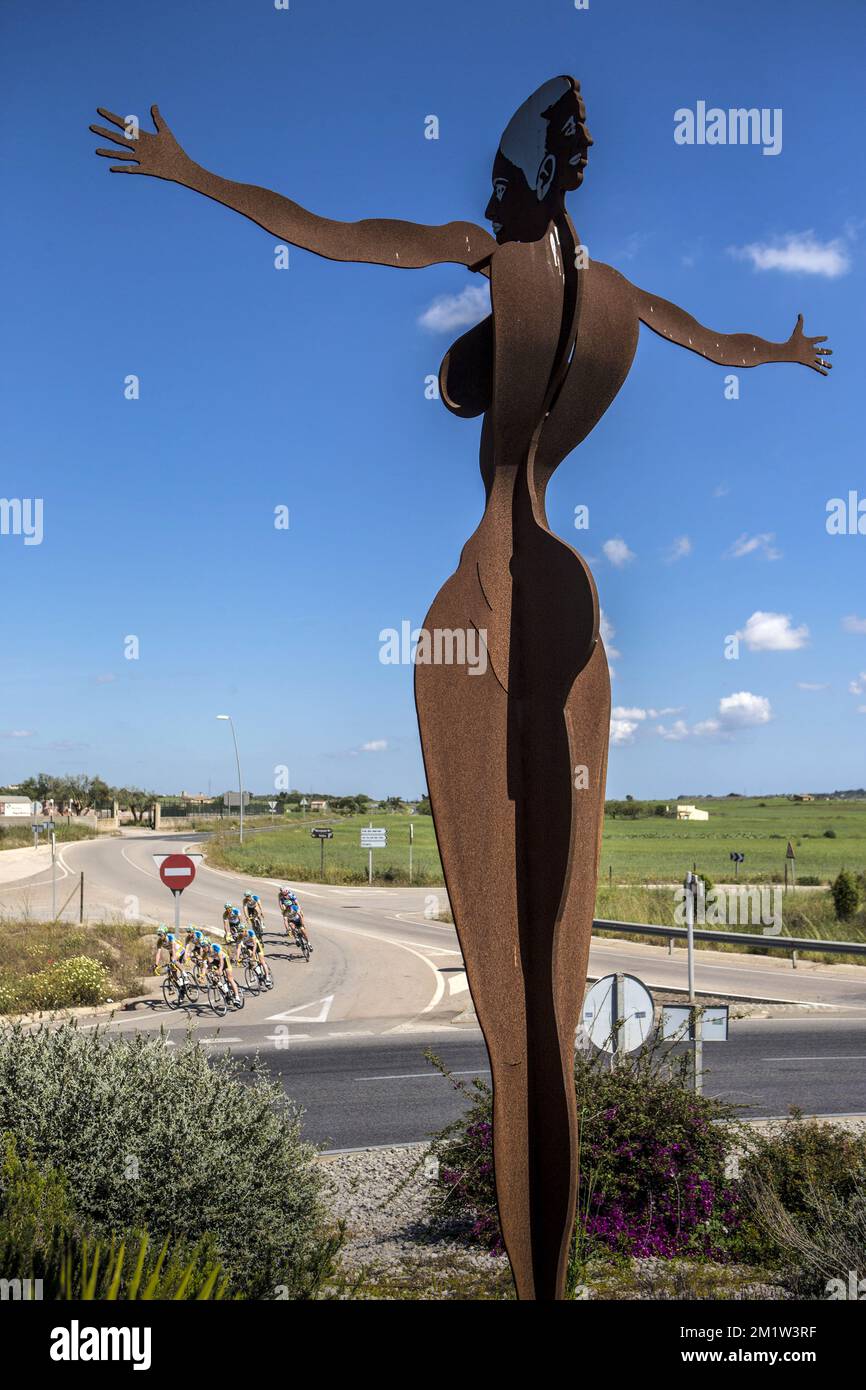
40 1240
165 1142
803 1197
652 1164
829 834
845 895
64 984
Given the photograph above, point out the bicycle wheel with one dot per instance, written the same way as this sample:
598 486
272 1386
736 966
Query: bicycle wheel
305 947
170 992
251 979
191 983
216 1000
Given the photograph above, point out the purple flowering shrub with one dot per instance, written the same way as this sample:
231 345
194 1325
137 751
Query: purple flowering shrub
651 1165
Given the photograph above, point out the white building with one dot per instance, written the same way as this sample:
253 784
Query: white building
687 812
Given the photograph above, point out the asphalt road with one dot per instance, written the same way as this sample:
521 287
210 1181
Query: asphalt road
346 1034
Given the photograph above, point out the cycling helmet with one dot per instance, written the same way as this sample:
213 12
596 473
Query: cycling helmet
216 948
161 930
227 907
255 897
251 931
198 934
169 935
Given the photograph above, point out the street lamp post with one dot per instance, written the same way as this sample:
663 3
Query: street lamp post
240 778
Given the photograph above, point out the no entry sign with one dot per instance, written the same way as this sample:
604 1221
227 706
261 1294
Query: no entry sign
177 872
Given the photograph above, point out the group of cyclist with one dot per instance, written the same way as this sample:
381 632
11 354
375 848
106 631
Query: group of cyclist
198 952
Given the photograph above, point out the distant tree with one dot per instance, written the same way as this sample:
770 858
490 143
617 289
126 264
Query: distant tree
845 895
423 807
136 800
660 810
392 803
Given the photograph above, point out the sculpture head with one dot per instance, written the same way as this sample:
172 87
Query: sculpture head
541 156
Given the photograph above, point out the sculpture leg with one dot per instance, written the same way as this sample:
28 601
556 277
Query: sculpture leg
499 772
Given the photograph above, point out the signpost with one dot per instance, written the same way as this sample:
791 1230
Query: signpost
738 860
411 843
372 837
790 858
694 887
322 833
303 808
177 872
53 875
678 1022
618 1014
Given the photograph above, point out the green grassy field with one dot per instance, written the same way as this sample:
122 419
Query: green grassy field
661 850
21 836
649 849
289 851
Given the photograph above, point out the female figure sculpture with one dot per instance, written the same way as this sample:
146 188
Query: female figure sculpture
520 746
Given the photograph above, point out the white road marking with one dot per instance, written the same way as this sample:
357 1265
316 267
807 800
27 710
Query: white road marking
458 984
416 1075
203 1041
132 865
298 1015
821 1057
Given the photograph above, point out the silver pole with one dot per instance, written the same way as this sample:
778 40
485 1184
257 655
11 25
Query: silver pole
694 889
240 778
53 877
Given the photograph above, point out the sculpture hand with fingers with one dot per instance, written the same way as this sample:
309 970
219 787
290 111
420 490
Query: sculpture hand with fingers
519 746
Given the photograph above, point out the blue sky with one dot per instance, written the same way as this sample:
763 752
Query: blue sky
305 387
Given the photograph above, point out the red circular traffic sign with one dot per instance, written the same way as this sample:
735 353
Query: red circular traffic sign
177 872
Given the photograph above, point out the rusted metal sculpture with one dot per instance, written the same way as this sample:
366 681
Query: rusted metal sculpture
520 748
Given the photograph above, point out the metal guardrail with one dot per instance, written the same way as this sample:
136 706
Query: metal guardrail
737 938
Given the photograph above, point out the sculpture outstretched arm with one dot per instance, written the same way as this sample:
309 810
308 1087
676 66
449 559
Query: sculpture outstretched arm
729 349
378 242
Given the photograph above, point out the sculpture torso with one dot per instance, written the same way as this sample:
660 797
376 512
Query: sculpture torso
543 368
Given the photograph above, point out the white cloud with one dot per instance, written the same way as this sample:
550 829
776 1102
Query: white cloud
797 253
772 632
858 687
747 545
607 632
681 547
17 733
721 490
812 685
376 745
677 731
622 712
854 624
744 710
740 711
617 552
450 311
622 731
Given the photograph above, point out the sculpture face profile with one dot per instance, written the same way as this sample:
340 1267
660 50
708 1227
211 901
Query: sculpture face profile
522 745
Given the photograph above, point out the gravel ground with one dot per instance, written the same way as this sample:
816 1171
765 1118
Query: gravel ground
392 1249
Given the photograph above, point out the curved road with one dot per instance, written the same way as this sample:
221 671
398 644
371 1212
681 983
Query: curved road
347 1032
